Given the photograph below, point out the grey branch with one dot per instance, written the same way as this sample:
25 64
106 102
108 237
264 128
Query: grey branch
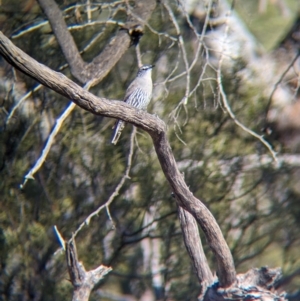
193 244
83 281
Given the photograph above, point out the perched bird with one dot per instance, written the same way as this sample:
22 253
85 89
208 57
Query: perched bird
138 94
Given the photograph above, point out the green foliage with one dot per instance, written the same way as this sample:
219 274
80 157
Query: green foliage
257 208
262 24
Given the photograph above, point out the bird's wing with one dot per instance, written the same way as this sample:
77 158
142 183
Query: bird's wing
137 98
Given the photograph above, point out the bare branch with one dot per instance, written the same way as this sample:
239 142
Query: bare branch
46 149
16 106
60 238
280 80
193 244
116 191
82 280
58 124
64 38
183 50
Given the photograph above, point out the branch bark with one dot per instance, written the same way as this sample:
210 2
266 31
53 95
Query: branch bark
256 284
156 129
111 54
83 281
193 244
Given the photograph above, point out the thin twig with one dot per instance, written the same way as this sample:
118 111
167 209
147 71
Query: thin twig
88 11
60 238
95 7
200 38
130 11
117 189
280 80
183 50
80 26
46 149
226 105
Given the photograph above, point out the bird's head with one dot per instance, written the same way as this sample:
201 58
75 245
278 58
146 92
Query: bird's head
146 69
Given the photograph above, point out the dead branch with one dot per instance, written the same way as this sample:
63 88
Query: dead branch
82 281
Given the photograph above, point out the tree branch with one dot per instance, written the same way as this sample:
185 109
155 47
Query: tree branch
64 38
185 199
193 244
83 281
111 54
156 129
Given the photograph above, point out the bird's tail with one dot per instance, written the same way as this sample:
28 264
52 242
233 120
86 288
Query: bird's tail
119 126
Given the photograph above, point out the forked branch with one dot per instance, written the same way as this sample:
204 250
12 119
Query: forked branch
83 281
112 52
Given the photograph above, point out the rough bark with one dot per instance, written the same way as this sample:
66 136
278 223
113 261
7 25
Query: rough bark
157 130
193 244
83 281
256 284
64 38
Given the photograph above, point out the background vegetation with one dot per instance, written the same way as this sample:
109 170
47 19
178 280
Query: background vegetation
255 203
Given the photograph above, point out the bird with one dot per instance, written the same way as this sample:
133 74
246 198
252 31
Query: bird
138 94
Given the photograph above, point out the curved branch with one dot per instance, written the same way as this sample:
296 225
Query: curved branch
185 199
156 129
